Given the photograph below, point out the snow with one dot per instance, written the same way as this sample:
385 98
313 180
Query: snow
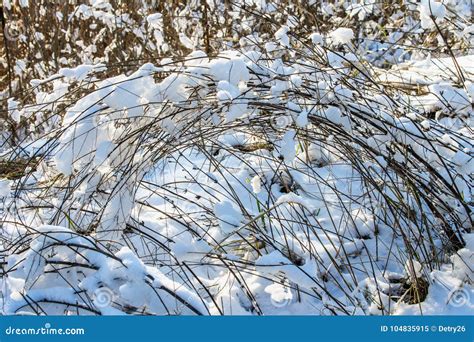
5 187
288 146
230 68
7 4
155 20
13 109
413 268
302 119
256 184
274 169
342 35
316 38
230 218
429 9
186 41
429 71
282 36
81 72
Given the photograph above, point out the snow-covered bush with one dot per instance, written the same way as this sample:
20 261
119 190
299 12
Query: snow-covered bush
288 172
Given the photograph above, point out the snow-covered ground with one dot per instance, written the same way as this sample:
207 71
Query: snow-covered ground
287 175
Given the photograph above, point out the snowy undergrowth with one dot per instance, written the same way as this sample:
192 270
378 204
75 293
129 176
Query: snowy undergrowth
263 180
